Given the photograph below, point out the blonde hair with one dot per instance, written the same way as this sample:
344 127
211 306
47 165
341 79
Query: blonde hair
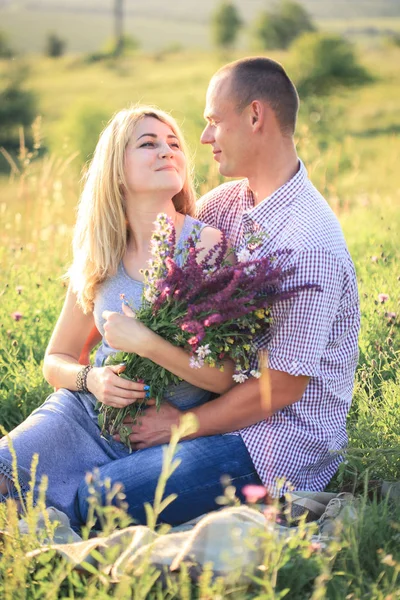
100 234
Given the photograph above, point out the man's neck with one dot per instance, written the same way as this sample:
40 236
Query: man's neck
272 176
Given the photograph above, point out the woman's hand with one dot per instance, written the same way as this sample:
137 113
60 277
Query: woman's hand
127 334
104 383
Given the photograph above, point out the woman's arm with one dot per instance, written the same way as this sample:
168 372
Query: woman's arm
61 363
130 335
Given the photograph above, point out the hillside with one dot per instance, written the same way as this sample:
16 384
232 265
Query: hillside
156 24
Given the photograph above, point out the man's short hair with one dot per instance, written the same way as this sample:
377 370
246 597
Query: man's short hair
264 79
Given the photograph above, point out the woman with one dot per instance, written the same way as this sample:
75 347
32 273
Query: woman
140 169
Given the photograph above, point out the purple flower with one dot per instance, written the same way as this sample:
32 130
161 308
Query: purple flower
17 316
193 327
212 319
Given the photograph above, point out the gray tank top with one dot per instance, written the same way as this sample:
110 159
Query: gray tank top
107 297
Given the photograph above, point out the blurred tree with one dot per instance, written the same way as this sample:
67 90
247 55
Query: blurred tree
55 46
323 63
5 49
18 107
85 121
225 23
127 44
118 27
279 26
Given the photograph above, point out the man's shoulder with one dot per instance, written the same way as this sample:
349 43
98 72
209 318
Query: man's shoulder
307 223
223 193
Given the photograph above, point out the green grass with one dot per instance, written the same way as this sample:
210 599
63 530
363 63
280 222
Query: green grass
352 153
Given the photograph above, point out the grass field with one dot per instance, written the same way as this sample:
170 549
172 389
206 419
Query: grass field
351 147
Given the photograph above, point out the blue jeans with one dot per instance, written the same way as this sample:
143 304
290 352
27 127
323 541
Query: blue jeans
196 481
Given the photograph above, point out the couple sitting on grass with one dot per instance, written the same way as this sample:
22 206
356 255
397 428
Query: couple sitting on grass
140 169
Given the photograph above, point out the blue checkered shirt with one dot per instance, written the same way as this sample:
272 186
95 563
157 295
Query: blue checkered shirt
313 334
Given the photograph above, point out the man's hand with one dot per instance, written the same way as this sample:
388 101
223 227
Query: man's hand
153 427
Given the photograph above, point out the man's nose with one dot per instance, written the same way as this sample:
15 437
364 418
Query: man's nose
207 137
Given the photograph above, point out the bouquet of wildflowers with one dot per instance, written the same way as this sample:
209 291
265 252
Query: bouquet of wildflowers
211 308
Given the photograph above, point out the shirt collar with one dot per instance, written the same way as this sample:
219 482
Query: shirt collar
278 200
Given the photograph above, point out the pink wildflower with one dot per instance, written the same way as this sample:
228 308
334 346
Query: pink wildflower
254 493
383 298
315 546
271 514
390 315
17 316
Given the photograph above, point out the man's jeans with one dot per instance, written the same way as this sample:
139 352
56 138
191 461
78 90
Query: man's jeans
196 481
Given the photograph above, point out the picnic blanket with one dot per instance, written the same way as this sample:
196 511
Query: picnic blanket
229 539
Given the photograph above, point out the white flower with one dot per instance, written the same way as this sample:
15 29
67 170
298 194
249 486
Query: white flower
244 255
248 270
150 296
239 377
256 374
196 363
203 351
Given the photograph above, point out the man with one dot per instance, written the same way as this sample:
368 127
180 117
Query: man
296 438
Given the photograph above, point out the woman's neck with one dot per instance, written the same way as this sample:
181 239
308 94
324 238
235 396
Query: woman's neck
140 230
141 223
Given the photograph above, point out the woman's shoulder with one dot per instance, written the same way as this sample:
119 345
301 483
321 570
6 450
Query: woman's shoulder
208 236
207 233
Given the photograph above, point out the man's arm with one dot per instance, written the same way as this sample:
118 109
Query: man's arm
249 402
300 333
92 340
245 404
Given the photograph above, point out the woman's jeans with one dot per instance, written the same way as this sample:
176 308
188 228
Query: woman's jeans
196 481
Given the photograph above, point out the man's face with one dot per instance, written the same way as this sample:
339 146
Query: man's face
227 131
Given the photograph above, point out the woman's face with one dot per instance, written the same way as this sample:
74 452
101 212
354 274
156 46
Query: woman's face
154 161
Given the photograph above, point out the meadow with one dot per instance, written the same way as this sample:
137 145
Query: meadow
351 147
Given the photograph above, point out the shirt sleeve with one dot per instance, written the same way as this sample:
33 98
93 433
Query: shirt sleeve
302 325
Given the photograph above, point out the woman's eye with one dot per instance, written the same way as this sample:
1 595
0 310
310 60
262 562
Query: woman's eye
175 145
147 145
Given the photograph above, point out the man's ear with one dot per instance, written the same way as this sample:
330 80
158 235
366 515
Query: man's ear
257 115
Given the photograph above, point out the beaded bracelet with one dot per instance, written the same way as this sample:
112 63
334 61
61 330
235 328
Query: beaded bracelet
81 378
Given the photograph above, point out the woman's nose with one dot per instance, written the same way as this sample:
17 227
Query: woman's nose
166 151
